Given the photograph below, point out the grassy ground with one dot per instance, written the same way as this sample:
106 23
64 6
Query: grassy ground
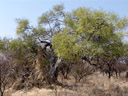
94 85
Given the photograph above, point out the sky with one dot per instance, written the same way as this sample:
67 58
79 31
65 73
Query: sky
10 10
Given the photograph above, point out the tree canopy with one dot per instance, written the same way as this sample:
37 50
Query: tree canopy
90 33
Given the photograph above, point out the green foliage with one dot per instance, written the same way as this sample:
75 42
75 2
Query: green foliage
65 45
4 44
18 46
23 25
52 20
95 33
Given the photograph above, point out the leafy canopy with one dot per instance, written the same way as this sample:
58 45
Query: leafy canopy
90 33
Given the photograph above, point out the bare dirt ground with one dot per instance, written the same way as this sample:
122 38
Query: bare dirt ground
94 85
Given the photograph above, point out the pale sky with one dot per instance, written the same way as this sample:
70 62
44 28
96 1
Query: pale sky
32 9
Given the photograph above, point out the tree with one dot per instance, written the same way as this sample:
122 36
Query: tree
92 35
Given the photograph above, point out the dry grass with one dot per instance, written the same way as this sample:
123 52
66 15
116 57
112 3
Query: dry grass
94 85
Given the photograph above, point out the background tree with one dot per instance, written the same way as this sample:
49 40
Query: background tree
6 73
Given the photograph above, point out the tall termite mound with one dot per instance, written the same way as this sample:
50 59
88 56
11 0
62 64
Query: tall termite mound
36 74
